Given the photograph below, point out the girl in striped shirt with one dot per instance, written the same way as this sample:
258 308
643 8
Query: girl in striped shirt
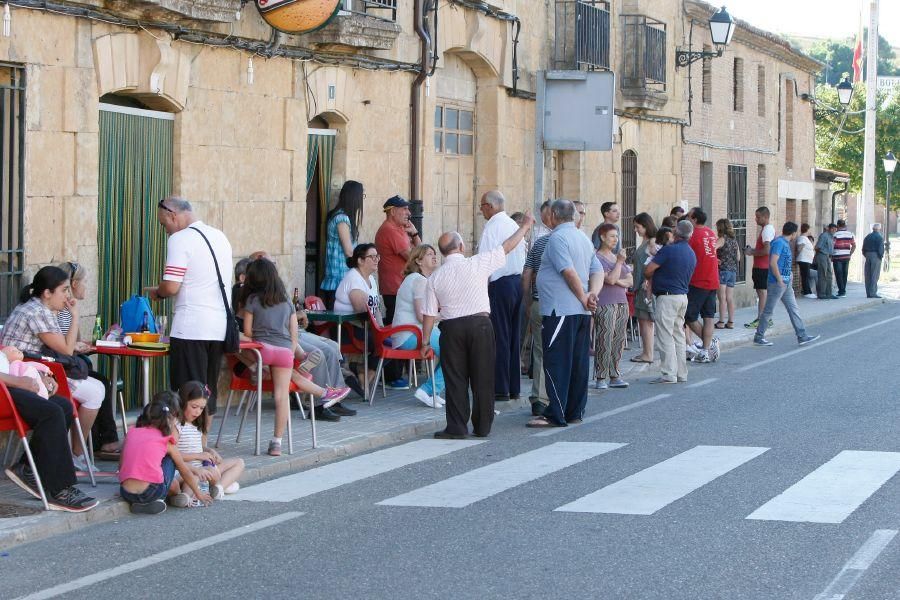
222 474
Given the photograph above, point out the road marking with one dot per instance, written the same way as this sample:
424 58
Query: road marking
704 382
857 565
648 491
833 491
605 415
153 559
814 345
484 482
320 479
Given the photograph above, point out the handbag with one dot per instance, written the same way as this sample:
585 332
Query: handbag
74 367
232 342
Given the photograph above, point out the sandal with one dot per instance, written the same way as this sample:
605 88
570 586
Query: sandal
638 359
541 423
729 325
720 325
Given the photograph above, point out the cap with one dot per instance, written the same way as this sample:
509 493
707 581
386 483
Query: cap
395 202
831 225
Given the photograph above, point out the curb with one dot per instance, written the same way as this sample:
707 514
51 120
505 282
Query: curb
112 509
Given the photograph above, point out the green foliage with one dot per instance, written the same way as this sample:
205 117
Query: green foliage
844 152
838 56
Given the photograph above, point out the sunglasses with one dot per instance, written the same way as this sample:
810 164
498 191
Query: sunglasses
162 205
373 256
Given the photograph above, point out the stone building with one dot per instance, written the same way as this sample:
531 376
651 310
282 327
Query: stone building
107 106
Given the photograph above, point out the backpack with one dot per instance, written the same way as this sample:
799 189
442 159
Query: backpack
132 315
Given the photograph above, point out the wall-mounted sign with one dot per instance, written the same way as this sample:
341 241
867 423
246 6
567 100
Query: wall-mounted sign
298 16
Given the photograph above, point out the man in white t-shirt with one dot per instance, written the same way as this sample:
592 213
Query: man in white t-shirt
198 326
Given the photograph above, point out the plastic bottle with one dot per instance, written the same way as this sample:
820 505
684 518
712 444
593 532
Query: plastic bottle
145 324
298 305
98 330
204 485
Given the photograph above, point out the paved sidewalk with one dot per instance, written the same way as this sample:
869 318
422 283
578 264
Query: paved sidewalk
393 419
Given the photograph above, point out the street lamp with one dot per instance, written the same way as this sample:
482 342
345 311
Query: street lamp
845 91
721 28
890 163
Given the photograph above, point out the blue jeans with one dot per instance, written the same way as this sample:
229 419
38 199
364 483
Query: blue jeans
155 491
786 295
435 342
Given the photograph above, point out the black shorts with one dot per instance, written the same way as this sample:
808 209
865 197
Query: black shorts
701 303
195 360
760 279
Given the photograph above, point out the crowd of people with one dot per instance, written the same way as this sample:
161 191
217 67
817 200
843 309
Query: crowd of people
574 292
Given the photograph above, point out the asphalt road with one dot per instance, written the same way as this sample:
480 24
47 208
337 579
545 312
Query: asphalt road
655 501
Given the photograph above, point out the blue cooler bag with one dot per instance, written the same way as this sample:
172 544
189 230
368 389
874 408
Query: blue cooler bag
134 313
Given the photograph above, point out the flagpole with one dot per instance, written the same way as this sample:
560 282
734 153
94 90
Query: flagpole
866 206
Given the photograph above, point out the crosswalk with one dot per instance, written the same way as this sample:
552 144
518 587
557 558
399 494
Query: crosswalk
829 493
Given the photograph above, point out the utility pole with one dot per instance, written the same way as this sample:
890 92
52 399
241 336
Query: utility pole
865 212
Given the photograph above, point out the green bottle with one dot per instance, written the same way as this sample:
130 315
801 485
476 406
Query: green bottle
98 330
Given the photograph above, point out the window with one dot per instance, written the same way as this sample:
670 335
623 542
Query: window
645 53
629 198
789 124
737 211
707 77
761 185
738 84
706 192
761 90
454 130
386 10
12 186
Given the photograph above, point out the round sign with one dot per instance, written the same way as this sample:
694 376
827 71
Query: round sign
298 16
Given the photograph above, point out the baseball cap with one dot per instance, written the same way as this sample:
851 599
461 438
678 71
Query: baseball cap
395 202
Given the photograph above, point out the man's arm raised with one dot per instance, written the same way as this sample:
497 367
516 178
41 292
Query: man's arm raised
512 241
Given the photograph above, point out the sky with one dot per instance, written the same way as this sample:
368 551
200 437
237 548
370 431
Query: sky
819 18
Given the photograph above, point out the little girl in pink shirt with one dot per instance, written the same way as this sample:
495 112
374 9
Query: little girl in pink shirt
150 457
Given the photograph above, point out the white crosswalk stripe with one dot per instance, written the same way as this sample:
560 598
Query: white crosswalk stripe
479 484
833 491
655 487
320 479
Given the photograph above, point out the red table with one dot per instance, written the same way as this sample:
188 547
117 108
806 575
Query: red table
144 355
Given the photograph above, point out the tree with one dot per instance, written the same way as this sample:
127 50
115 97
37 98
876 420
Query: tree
838 58
844 151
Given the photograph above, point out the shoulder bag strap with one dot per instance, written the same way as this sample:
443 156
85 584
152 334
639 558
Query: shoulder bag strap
218 273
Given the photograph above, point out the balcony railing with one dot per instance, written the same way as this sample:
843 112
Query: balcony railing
644 55
380 9
582 35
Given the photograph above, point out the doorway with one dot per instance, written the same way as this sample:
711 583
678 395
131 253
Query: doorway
319 169
136 159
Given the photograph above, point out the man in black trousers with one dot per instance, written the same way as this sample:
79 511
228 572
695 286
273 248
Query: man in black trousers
458 293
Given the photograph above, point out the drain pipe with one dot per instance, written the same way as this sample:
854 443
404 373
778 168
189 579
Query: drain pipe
415 116
834 196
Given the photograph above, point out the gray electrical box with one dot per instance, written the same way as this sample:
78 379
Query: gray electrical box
578 109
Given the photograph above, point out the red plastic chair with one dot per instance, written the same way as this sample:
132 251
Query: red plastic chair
631 328
316 303
387 352
12 422
246 385
62 382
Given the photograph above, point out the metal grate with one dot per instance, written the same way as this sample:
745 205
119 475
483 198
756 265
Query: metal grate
629 199
380 9
644 53
582 35
737 212
12 186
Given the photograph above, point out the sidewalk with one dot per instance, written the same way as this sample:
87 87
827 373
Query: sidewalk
393 419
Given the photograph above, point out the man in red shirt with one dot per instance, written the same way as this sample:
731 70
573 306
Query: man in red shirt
703 287
394 239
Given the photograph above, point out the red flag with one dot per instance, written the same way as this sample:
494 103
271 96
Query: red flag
858 51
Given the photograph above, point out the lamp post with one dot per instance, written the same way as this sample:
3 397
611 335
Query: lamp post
845 92
890 163
721 28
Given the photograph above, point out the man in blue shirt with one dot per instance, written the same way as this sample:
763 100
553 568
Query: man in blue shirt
873 250
670 274
568 281
779 288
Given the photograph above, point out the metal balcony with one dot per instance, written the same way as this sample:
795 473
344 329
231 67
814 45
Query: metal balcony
582 35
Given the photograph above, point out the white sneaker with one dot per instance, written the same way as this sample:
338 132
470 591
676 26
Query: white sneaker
702 357
233 488
80 463
691 351
216 491
811 296
425 398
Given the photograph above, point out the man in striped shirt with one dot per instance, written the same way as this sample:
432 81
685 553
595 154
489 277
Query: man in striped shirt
538 395
844 246
458 294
